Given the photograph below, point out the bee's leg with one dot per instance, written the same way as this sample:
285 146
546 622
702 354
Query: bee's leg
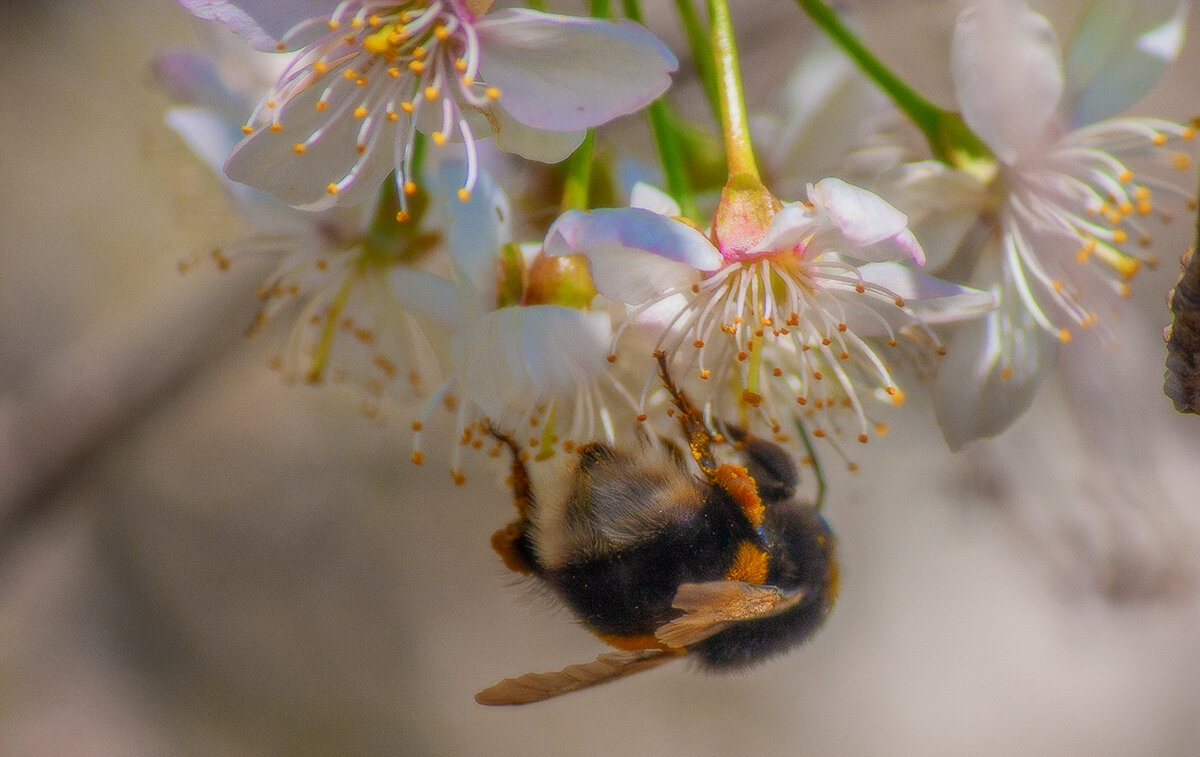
698 437
510 542
771 467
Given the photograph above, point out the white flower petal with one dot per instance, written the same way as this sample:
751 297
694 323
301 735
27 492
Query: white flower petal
267 160
424 293
634 255
565 73
263 22
979 394
932 300
1007 75
532 143
1118 54
941 204
479 227
649 197
515 357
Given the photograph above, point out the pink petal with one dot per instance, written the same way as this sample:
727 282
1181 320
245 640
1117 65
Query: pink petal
263 22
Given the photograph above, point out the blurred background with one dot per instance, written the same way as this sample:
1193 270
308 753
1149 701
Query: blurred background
197 560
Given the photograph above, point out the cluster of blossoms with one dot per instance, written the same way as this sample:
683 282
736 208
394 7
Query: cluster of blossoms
371 164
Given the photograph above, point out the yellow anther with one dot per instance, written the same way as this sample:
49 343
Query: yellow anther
460 65
332 189
1158 140
418 52
275 127
492 93
897 395
418 457
247 129
442 33
1006 373
393 116
467 81
356 23
410 187
416 66
439 138
360 148
1064 335
1144 208
334 25
407 107
360 81
360 111
374 19
1085 251
1120 236
394 72
1114 218
464 194
881 429
349 74
1141 193
1124 290
1057 286
1188 133
320 67
863 438
403 216
321 104
270 104
1125 176
1125 207
1182 161
298 148
431 93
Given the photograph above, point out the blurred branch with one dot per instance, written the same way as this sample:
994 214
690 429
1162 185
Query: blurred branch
1182 382
95 389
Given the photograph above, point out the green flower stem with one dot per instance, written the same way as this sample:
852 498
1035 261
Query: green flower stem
950 139
579 174
734 122
667 140
702 56
599 9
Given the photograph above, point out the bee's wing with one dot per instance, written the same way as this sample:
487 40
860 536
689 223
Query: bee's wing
534 687
711 607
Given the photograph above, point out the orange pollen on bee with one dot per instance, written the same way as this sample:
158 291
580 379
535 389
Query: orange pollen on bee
492 93
740 485
749 565
632 643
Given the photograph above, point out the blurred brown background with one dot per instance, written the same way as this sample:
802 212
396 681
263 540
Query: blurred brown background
195 560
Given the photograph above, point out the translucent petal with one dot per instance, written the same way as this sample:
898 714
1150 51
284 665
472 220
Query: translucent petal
649 197
514 137
1007 75
931 299
1118 54
565 73
479 227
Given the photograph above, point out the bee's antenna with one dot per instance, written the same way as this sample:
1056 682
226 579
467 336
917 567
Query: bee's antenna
690 418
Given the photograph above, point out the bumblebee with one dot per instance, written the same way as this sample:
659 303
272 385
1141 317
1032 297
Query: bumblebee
726 567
